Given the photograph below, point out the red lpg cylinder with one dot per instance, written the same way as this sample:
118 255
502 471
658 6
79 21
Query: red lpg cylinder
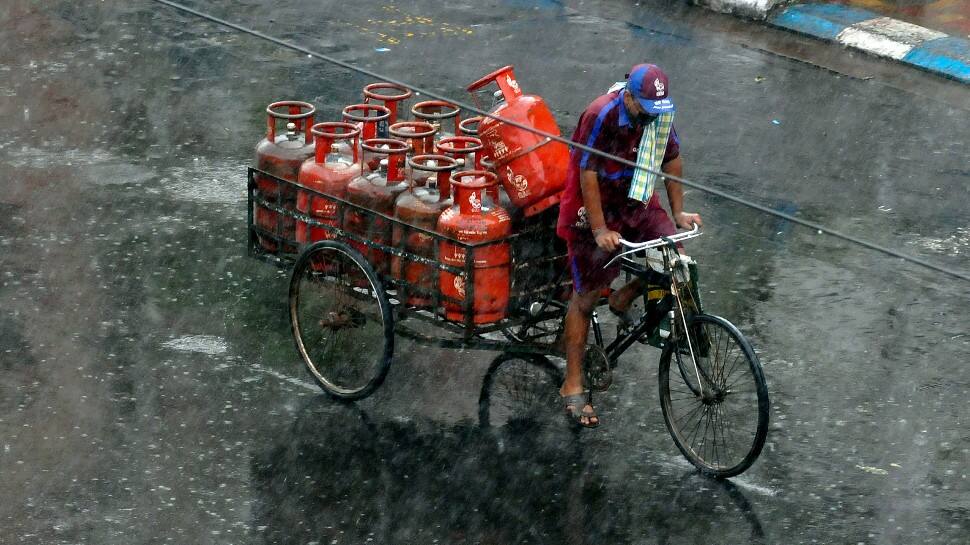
388 95
376 191
438 112
469 126
282 155
421 206
468 151
469 220
420 136
367 117
532 167
328 171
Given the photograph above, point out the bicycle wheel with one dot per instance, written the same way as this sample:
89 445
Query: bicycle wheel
341 320
717 413
521 392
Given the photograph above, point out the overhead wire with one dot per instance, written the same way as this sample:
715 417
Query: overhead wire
689 183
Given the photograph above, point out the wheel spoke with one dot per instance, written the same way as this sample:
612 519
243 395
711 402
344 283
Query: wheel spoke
696 426
739 358
689 416
716 424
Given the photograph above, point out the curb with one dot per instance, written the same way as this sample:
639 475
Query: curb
919 47
886 37
755 9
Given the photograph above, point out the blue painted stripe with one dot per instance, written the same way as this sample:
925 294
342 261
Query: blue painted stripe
949 56
596 129
577 285
625 173
820 20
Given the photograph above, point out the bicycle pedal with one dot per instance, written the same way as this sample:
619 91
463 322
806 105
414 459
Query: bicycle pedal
597 368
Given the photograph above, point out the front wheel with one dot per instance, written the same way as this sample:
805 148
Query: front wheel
341 320
715 399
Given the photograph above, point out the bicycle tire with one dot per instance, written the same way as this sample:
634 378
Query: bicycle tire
519 391
341 320
720 350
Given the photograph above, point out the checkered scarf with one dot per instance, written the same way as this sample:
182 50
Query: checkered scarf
653 145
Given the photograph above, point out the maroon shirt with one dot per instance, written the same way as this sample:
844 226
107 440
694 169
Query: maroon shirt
604 126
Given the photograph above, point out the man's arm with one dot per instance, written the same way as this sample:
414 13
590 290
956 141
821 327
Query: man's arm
675 194
590 185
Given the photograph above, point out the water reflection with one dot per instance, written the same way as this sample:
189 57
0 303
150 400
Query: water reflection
345 474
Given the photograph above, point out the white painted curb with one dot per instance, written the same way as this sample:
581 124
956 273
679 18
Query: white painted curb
755 9
887 37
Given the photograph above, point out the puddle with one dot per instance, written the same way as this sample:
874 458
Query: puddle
207 181
202 344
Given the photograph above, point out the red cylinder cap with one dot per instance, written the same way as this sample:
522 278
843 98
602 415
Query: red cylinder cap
469 144
447 110
470 126
474 179
442 163
371 92
412 129
335 130
300 112
382 113
296 109
387 146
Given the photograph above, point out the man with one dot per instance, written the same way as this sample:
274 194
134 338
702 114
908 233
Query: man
605 200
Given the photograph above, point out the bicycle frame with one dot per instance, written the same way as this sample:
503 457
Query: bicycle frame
647 321
651 320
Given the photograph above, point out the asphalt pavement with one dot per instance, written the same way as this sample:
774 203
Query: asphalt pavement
151 393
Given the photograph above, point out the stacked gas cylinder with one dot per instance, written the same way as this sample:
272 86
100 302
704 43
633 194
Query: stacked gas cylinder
436 173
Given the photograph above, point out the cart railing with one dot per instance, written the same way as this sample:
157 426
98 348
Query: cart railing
537 256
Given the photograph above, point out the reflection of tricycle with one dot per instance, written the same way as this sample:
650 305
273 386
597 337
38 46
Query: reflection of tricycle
345 315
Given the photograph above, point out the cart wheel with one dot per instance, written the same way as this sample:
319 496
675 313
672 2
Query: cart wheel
520 392
547 329
341 320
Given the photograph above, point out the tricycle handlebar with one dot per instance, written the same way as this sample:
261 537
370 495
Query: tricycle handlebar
634 247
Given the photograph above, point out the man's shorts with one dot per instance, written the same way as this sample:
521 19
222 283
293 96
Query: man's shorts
636 223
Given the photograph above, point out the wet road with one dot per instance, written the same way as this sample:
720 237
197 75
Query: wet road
150 392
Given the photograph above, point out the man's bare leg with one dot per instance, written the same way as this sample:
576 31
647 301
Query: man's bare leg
581 307
621 299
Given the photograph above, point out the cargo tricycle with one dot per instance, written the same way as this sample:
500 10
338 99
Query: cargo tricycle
351 296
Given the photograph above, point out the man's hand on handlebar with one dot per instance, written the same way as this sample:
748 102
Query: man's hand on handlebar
606 239
686 220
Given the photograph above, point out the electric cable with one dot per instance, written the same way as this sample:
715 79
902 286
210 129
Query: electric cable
695 185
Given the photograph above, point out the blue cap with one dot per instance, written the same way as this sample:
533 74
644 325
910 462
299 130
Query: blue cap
648 84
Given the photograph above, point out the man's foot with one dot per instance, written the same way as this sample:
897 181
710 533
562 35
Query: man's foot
579 410
623 311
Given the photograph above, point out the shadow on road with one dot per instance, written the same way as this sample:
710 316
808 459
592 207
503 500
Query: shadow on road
343 474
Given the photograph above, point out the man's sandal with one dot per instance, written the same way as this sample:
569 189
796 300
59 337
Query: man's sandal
574 405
